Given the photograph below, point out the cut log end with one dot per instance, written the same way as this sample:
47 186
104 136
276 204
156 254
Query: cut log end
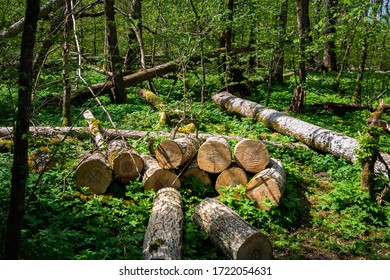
126 163
269 183
214 155
127 167
251 155
263 188
256 247
95 173
161 179
193 170
171 154
232 176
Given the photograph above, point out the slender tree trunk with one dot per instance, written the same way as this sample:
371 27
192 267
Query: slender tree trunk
228 36
278 63
330 58
302 25
20 160
47 43
118 91
202 64
359 80
68 26
343 63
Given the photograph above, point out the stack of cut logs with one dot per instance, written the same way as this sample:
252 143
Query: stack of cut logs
171 164
175 160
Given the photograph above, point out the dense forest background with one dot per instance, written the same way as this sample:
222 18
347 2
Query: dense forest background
298 57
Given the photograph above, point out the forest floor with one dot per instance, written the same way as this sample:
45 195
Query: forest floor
324 213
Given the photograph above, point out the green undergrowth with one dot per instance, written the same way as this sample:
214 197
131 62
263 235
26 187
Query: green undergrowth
324 214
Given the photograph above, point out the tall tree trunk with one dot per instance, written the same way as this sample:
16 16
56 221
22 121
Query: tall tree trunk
118 91
300 10
66 115
228 37
330 58
20 160
278 62
133 51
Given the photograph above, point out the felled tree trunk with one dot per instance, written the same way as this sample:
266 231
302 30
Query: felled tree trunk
94 128
230 233
155 177
251 155
269 183
171 154
193 170
232 176
163 237
156 103
94 172
125 162
214 155
312 135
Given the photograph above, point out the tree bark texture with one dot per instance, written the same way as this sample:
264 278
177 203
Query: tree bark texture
251 155
125 162
94 128
164 235
230 233
278 61
298 100
118 89
214 155
269 183
330 58
172 154
19 170
155 177
68 27
314 136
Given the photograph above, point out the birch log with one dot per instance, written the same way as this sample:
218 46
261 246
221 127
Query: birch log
171 154
251 155
316 137
214 155
163 237
230 233
155 177
269 183
125 162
